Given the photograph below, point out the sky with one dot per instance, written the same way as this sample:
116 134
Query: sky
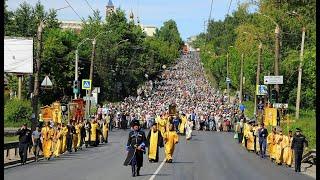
188 14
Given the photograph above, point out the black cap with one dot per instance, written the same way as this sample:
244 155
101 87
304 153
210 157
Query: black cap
135 123
154 124
298 129
25 124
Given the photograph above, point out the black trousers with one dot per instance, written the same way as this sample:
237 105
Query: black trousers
69 143
298 159
240 137
23 151
82 141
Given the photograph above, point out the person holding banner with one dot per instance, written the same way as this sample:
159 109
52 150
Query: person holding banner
47 136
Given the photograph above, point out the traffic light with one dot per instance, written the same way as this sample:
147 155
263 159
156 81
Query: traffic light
76 87
274 96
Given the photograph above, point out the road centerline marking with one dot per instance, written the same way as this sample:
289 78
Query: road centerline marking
157 171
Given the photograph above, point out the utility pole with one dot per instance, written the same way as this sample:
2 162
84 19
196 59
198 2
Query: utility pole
36 75
76 71
300 74
277 55
241 79
19 86
91 70
257 78
228 88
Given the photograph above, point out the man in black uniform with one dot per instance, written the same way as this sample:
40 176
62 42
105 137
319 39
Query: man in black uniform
71 131
298 143
24 142
135 148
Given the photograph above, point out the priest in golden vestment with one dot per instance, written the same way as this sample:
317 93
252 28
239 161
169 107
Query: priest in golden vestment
170 138
271 141
47 137
154 141
287 151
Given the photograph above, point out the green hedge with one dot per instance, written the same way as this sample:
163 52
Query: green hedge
17 112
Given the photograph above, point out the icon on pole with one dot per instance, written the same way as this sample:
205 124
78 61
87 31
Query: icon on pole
86 84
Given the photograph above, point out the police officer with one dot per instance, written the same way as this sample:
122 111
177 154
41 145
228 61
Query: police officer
263 133
298 142
135 148
24 142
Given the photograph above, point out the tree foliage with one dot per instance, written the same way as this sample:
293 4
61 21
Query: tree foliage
123 56
244 30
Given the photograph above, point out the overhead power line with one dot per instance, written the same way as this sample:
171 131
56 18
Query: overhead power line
229 7
74 10
89 5
210 11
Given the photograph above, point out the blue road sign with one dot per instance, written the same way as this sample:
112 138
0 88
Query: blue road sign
86 84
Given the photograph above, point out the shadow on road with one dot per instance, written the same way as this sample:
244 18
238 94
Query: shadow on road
182 162
156 174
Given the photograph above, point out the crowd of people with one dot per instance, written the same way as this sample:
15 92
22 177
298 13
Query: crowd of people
53 139
184 86
281 148
181 101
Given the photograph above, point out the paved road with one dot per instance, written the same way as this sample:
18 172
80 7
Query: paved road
208 156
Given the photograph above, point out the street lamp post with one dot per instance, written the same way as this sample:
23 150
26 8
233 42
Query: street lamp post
258 71
277 49
300 65
38 59
76 74
91 65
241 79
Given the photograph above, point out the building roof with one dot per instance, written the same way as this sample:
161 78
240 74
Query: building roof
110 3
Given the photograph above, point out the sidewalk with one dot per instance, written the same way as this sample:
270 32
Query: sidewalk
308 171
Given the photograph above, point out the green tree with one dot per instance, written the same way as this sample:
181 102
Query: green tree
169 33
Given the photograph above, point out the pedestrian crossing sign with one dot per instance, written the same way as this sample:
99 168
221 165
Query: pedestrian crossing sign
86 84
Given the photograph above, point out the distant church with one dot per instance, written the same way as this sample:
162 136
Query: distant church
110 8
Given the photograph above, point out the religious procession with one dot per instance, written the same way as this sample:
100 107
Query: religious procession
179 102
281 148
56 138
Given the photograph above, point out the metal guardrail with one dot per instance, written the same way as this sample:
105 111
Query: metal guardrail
310 157
8 147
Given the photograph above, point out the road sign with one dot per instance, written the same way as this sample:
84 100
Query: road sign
46 82
96 90
280 105
261 90
87 98
86 84
273 79
228 80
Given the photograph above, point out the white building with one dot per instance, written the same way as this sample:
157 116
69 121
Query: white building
73 25
149 29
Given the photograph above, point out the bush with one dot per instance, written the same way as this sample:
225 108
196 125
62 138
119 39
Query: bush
17 112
